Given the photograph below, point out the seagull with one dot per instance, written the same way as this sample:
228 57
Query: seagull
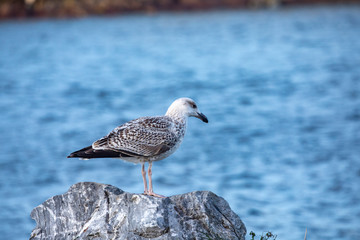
145 139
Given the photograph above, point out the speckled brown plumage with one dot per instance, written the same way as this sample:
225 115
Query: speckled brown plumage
145 138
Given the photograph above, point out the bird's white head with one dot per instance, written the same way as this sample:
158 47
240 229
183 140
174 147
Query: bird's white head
185 107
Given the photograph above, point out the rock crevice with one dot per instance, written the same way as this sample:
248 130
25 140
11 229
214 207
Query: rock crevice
99 211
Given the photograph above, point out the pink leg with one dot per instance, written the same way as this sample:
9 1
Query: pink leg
151 193
143 173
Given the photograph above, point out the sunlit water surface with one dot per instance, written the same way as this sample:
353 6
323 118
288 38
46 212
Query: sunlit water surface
281 89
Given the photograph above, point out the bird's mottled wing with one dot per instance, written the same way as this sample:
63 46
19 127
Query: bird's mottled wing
146 136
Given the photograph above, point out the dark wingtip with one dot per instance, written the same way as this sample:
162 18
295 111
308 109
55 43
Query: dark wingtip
79 153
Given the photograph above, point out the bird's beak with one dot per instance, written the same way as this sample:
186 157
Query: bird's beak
202 117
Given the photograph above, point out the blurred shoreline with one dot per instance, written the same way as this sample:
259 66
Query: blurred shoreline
12 9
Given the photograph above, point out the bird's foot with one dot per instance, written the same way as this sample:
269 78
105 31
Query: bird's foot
154 194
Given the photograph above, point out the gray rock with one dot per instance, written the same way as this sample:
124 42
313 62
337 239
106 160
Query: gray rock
99 211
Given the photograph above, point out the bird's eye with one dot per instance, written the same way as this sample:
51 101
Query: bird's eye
194 105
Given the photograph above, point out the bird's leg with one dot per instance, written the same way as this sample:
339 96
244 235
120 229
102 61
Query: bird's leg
151 193
143 173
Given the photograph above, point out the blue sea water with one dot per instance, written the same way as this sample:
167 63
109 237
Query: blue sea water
281 89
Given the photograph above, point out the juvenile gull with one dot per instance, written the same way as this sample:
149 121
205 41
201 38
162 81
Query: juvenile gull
145 139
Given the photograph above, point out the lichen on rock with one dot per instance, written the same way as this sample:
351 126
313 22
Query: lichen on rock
100 211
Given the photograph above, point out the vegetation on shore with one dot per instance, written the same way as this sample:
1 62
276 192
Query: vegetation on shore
78 8
264 236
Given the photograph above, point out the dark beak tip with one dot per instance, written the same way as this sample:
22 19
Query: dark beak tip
203 118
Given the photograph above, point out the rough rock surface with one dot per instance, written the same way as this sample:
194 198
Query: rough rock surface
99 211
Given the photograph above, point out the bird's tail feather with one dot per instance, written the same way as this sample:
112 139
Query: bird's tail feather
89 152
